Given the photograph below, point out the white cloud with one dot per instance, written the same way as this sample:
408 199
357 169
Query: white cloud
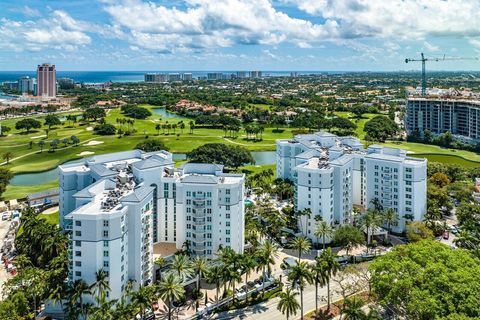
430 47
406 19
207 24
59 31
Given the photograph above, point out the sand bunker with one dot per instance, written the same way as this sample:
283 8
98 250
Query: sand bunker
85 153
93 143
37 137
89 128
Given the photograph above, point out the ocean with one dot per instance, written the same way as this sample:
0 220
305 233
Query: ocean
124 76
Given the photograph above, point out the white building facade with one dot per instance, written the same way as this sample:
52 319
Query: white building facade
117 207
332 174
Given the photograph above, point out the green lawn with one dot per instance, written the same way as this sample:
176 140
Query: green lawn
19 192
50 218
32 160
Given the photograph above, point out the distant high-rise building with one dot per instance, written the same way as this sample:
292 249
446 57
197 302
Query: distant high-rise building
174 77
187 77
255 74
214 76
26 84
241 74
66 83
47 80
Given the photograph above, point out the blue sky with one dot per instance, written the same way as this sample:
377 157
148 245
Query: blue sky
354 35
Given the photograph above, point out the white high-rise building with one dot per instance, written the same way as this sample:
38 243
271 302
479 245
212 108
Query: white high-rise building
332 174
118 207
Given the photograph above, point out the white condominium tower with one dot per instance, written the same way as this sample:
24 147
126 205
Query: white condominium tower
118 207
332 174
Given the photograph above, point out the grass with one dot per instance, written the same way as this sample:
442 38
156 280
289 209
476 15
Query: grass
51 218
32 160
19 192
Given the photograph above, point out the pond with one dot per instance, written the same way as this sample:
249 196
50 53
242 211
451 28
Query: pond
33 179
165 114
37 178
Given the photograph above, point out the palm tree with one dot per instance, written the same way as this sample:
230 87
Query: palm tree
300 275
301 244
288 303
267 253
160 262
323 230
158 126
331 268
390 217
370 221
214 275
169 289
352 309
319 271
142 299
100 286
7 156
182 265
200 266
41 144
248 264
76 293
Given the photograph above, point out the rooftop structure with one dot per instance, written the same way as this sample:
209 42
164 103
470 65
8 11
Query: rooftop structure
332 173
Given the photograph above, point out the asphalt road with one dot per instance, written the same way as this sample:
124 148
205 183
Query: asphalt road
268 310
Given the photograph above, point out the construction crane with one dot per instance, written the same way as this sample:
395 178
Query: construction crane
423 60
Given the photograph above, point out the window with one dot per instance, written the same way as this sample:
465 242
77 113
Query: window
227 224
78 253
227 207
78 223
105 233
227 231
78 263
227 191
105 253
408 169
105 244
227 216
105 223
189 193
209 202
106 264
209 194
78 274
227 240
78 233
78 243
227 200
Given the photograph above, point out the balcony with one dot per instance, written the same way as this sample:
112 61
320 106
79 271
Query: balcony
199 222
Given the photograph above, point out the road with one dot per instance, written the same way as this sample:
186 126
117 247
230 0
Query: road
268 310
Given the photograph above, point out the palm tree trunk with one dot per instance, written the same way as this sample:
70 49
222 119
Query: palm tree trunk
316 297
323 242
301 304
169 310
246 293
328 294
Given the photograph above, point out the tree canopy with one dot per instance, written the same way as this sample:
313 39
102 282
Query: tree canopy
136 112
5 176
380 128
151 145
94 113
219 153
105 129
427 280
27 124
52 120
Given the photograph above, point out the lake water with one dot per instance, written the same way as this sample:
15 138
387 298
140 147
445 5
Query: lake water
165 114
33 179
